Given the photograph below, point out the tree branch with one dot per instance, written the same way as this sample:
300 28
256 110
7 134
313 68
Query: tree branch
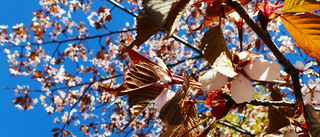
288 67
181 61
234 127
262 103
275 103
75 39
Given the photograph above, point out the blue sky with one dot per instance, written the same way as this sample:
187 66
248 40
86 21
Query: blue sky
35 122
14 122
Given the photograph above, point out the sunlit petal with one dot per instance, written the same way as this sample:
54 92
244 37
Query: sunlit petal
244 56
311 84
316 97
307 98
213 80
261 69
241 89
290 133
165 95
299 65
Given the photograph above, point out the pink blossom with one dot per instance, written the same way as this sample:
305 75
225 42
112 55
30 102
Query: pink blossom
49 109
304 69
165 96
19 107
56 120
248 69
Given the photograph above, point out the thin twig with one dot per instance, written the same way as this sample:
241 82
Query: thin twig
234 127
181 61
288 67
76 39
261 103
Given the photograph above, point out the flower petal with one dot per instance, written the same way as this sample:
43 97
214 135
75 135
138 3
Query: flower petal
213 80
224 66
307 98
299 65
261 69
165 95
316 97
162 74
241 89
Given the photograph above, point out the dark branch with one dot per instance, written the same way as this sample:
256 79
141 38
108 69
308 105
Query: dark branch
288 67
275 103
234 127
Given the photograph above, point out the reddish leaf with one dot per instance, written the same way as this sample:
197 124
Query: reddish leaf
56 134
108 18
137 57
108 41
213 44
55 129
99 54
175 14
28 68
276 120
219 110
171 112
275 93
155 15
98 26
190 116
258 44
13 66
17 100
139 100
68 132
37 74
213 12
314 120
33 55
207 130
137 76
171 130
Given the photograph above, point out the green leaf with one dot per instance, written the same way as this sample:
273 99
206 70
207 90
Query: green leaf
300 6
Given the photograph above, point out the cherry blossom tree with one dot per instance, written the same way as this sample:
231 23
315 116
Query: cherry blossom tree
170 67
